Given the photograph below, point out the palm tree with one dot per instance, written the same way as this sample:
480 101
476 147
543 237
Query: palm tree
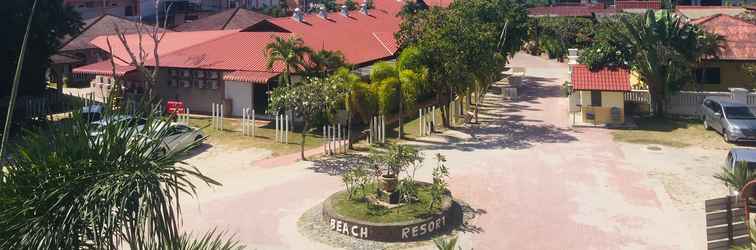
666 48
407 74
325 61
68 189
348 82
290 52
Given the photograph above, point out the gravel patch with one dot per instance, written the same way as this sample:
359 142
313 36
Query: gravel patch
311 225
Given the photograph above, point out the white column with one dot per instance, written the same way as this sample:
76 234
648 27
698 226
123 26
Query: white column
420 122
253 121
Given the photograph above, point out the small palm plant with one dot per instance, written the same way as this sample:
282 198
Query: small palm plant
445 244
736 178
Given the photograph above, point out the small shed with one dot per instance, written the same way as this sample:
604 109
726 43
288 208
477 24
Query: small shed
598 96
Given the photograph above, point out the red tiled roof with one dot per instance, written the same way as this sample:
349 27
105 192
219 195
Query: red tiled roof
739 35
631 4
240 51
104 68
261 77
99 26
238 18
606 79
361 38
172 41
569 10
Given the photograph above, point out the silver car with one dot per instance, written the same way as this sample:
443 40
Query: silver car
734 120
740 157
179 137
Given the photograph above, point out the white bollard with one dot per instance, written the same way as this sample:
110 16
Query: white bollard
221 117
287 119
277 128
420 118
433 119
325 147
338 137
254 127
383 129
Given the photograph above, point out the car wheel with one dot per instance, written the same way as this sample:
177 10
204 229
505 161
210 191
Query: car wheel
726 136
706 124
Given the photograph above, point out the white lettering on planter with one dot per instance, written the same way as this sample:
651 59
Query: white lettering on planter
425 228
344 228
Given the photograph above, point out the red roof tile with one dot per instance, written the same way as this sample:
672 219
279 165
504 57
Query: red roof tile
172 41
570 10
240 51
99 26
631 4
103 68
615 79
238 18
739 35
250 76
361 38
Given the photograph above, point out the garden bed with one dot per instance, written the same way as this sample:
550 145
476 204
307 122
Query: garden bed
409 222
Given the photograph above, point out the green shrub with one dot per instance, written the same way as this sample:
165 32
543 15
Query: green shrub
364 101
388 98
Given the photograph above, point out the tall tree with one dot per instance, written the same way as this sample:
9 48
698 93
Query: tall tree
290 52
306 100
324 61
52 22
661 47
349 83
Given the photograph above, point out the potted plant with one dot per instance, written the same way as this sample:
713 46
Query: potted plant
390 162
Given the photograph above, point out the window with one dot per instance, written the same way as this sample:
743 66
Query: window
213 84
213 74
128 11
174 83
200 84
186 83
173 72
199 74
596 98
707 75
186 73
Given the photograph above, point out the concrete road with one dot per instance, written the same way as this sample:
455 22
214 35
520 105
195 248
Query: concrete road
533 182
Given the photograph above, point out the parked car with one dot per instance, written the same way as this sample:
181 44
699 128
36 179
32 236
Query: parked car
92 113
734 120
127 120
179 137
739 157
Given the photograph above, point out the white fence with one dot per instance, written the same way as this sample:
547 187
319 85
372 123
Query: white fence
688 103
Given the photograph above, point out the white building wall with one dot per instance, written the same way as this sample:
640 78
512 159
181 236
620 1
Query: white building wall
240 94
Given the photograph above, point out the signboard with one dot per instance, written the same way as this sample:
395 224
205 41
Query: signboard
175 107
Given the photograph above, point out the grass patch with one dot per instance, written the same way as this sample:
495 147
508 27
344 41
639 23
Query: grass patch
264 136
359 208
670 132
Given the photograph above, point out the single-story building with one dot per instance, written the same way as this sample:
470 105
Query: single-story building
739 50
231 19
598 96
230 66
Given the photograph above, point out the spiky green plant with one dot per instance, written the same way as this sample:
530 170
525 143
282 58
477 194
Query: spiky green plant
736 178
445 244
70 188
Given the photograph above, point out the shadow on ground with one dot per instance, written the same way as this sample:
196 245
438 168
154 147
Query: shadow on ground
338 164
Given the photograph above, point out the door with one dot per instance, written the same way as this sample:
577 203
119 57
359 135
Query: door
716 122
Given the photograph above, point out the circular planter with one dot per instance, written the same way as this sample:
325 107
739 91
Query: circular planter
413 230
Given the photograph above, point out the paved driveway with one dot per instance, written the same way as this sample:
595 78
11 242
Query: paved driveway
535 184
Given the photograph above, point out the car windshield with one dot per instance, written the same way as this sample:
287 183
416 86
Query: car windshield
739 113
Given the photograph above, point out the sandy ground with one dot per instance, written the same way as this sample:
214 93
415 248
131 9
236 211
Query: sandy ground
535 182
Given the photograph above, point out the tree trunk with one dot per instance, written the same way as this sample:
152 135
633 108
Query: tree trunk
477 101
349 128
657 100
305 127
401 113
